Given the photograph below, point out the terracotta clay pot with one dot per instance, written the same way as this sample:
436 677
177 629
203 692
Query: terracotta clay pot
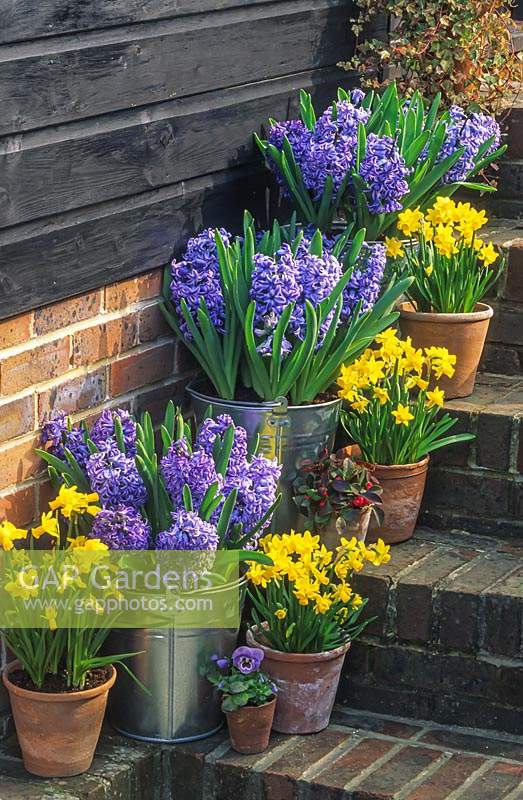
403 486
250 727
307 685
57 733
330 534
462 334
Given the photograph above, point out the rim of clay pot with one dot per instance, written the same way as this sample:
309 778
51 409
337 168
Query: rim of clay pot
414 465
53 697
253 708
279 655
481 311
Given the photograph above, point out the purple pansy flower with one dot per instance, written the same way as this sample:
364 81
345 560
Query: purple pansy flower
247 659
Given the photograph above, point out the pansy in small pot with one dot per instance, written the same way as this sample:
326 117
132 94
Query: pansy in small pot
248 697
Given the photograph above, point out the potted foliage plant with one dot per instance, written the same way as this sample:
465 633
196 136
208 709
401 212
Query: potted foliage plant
59 683
270 318
393 416
368 156
248 698
305 616
467 53
178 491
337 496
452 269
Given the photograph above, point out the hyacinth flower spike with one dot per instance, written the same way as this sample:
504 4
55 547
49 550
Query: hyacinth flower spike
369 156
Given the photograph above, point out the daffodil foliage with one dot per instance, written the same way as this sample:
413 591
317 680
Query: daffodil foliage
304 602
452 267
393 402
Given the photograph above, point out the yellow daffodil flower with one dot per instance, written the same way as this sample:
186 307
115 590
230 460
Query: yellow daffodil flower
429 269
393 247
488 254
322 604
410 221
9 533
402 415
436 397
381 394
49 525
280 613
442 212
70 501
444 240
50 616
360 404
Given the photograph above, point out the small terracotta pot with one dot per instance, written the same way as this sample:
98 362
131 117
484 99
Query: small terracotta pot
403 486
250 727
330 535
307 685
57 733
462 334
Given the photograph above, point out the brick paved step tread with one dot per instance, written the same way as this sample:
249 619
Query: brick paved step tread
361 756
447 639
478 485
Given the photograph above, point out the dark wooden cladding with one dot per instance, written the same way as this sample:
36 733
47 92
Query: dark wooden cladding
118 242
31 19
126 125
183 58
182 139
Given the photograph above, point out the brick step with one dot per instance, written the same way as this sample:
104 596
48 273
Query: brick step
510 175
477 486
503 353
361 756
447 642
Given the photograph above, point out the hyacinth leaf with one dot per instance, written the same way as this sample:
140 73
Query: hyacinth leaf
187 498
253 444
211 501
368 100
297 362
277 341
362 145
148 430
478 187
415 148
224 454
118 434
166 439
80 480
325 210
224 519
432 113
61 467
256 556
169 419
342 242
478 167
258 369
307 113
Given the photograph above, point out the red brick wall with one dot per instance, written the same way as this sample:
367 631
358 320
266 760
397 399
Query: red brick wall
106 348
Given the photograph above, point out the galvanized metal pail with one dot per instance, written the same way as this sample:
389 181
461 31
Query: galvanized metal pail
182 706
289 433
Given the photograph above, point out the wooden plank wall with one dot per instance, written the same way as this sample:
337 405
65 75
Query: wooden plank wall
125 125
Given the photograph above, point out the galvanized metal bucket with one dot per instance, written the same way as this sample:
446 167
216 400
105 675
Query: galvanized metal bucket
182 706
288 433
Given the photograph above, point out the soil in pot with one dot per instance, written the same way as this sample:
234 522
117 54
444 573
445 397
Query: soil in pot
307 685
462 334
57 730
250 727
